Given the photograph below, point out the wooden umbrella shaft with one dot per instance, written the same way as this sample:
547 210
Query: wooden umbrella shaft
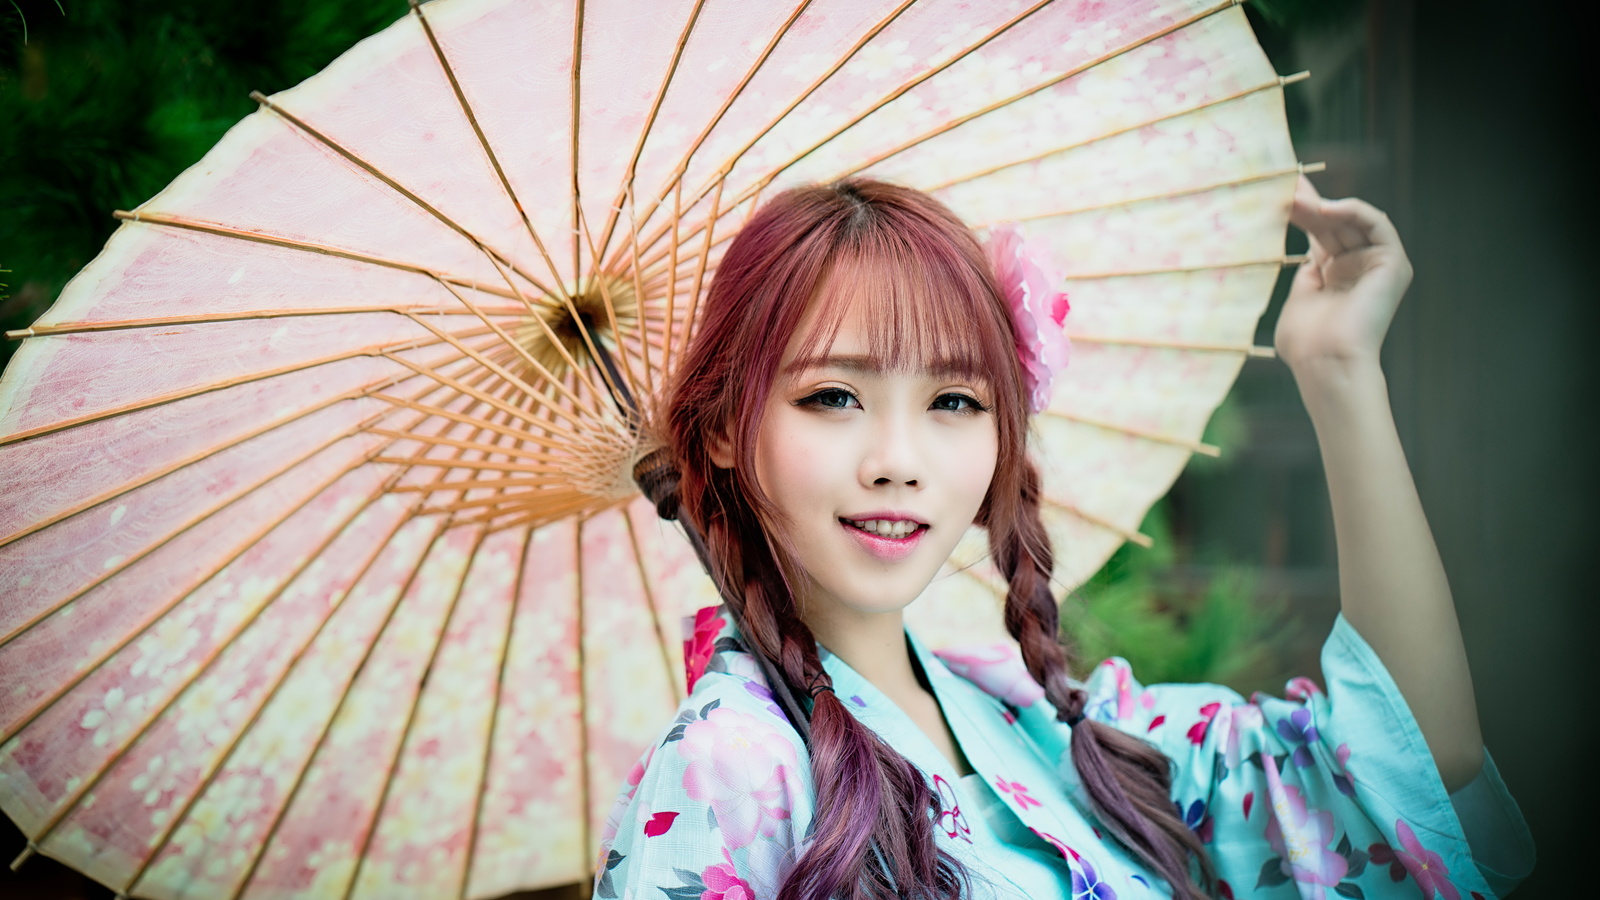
657 479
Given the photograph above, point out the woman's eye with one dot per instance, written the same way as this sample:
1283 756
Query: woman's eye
831 398
958 403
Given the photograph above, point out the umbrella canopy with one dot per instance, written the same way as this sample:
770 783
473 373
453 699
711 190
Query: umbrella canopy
321 570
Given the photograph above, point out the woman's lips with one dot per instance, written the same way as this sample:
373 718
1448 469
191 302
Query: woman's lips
887 549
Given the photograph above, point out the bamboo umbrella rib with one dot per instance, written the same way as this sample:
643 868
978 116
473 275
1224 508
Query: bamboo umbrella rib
700 269
576 502
672 252
638 289
83 673
919 79
682 168
1297 169
504 373
327 726
1162 343
585 807
1143 540
135 557
209 387
246 316
644 134
497 500
650 601
483 141
475 823
1142 434
411 719
522 352
478 484
924 76
173 221
168 469
398 188
220 761
429 462
472 392
88 784
575 120
463 419
470 445
195 584
958 121
727 166
1277 82
1291 260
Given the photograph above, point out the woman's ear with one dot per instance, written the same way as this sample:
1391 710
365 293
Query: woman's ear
720 449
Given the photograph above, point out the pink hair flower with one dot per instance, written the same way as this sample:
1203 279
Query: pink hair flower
1038 310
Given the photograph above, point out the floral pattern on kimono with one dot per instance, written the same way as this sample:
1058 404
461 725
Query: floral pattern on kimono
1316 795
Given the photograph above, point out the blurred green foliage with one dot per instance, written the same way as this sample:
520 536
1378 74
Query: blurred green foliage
1224 632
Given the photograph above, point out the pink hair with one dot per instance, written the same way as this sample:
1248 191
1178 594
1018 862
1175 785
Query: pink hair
935 301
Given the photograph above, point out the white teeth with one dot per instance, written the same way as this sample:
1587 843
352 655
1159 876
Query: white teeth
890 528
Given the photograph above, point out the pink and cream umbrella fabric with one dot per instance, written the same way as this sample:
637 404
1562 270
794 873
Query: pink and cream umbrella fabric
321 570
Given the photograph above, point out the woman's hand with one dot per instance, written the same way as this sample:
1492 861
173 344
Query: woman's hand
1344 297
1392 586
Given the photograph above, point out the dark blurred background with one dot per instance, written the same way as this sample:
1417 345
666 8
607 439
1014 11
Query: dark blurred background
1471 123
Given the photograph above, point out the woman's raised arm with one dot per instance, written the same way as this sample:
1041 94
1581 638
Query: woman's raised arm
1392 585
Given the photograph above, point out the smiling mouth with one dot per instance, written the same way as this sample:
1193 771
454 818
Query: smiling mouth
891 529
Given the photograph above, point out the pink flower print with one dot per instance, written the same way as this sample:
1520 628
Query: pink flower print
1066 852
1343 779
1425 866
722 882
1245 717
951 821
702 642
1300 836
997 670
659 824
1157 722
744 768
1018 792
1299 730
1038 310
1197 731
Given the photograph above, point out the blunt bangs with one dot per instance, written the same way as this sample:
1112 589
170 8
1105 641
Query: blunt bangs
921 299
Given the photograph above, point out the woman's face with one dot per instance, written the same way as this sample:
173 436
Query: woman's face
877 473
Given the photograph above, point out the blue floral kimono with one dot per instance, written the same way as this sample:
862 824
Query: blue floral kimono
1319 795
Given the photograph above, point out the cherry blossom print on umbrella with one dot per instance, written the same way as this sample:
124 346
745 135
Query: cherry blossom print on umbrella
323 572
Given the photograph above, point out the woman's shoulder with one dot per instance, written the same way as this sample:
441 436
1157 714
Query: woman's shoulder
723 795
727 729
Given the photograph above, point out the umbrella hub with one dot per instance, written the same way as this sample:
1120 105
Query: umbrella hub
560 332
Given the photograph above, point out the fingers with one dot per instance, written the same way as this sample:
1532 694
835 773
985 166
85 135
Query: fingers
1340 225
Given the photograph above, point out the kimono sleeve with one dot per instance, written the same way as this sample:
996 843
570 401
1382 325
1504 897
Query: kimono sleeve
714 810
1321 794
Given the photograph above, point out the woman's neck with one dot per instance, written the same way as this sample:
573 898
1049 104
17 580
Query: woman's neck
873 644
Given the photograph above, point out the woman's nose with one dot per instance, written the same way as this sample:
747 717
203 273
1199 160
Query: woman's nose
894 454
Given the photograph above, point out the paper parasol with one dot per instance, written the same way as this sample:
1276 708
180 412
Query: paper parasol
321 573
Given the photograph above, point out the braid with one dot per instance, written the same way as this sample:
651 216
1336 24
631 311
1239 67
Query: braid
868 796
1128 781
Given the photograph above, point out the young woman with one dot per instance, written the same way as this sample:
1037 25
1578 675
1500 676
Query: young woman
853 402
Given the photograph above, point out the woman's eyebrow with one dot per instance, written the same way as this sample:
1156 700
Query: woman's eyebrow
855 363
876 365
